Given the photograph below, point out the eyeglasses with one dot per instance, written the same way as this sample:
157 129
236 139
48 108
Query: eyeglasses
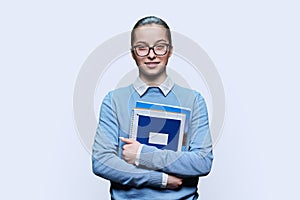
158 49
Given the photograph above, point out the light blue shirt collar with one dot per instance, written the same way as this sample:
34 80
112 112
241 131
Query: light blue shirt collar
141 87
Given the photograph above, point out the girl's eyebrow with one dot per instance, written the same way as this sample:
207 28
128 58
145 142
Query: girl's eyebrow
161 40
141 42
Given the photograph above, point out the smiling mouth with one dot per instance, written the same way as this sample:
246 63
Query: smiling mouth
151 64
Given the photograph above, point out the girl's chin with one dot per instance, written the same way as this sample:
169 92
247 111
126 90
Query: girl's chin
152 66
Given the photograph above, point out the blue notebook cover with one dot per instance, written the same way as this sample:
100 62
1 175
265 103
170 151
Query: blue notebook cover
161 129
169 108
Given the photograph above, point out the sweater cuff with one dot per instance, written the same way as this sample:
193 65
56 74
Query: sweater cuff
156 179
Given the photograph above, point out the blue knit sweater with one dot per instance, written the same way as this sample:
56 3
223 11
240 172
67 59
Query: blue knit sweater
145 181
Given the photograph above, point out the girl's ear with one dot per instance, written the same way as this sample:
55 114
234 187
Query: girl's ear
170 51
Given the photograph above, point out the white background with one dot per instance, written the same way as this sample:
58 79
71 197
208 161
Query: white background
254 45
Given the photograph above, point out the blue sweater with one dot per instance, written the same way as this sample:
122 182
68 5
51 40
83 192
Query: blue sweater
145 181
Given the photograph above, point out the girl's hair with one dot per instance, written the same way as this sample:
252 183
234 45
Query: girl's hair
151 20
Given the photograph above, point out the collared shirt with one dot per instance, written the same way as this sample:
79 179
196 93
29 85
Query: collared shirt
141 87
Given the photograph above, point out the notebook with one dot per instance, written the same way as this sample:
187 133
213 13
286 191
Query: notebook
169 108
162 129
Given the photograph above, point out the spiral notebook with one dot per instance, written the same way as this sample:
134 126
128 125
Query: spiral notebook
162 129
170 108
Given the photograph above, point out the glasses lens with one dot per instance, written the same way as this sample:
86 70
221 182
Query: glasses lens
160 49
142 50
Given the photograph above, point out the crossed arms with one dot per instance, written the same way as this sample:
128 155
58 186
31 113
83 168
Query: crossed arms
153 163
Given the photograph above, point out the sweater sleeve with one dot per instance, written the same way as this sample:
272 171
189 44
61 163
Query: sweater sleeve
105 160
197 161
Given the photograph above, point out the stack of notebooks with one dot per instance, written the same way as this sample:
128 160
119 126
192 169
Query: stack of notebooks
160 125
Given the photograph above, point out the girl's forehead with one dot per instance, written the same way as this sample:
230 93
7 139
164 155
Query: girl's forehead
150 33
151 27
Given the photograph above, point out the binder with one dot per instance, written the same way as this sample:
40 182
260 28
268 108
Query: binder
162 129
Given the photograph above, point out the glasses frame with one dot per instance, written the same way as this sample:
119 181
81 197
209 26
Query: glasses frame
149 49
